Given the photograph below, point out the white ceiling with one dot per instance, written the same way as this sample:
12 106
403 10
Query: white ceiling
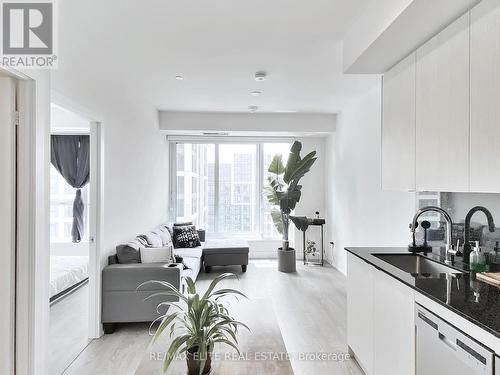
136 48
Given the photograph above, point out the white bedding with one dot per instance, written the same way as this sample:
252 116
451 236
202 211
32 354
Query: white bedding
66 271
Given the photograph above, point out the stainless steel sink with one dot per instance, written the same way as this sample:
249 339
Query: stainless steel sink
416 264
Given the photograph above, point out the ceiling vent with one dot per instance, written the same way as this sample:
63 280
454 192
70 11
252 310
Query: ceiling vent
218 134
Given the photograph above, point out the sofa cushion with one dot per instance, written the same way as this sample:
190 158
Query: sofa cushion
193 265
190 252
168 227
186 236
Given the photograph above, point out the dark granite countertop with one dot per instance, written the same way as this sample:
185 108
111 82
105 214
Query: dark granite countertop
472 299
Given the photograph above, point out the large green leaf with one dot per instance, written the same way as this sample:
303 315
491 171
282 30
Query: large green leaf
288 200
292 161
270 195
277 219
301 222
301 168
276 166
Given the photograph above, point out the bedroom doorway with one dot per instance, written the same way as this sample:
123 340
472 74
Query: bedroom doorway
71 237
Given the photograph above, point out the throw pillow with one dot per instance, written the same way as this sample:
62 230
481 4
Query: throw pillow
156 254
164 235
183 224
129 252
186 236
152 238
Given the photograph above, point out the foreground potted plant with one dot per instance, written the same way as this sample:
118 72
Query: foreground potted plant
197 322
283 190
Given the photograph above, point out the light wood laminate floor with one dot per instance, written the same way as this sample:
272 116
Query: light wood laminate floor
309 307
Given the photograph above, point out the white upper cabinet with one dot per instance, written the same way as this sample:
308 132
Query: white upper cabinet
485 97
398 126
442 110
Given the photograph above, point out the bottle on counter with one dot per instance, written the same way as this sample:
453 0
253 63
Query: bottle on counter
478 260
495 255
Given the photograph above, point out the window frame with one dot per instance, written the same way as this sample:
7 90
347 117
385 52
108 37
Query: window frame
216 141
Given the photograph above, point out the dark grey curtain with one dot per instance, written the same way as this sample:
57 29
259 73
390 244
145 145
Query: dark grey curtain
70 155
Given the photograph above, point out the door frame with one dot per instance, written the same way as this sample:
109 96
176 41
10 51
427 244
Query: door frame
9 186
32 224
96 208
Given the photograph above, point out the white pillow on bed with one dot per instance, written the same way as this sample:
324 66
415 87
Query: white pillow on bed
157 254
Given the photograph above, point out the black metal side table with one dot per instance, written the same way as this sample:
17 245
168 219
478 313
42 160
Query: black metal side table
318 223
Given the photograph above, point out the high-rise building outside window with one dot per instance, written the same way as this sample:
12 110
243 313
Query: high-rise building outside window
219 187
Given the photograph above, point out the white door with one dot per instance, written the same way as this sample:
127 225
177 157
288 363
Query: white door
398 127
485 94
442 110
7 220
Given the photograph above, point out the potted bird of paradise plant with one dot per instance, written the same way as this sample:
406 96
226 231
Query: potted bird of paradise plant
197 322
283 192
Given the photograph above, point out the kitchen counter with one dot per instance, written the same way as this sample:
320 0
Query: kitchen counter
472 299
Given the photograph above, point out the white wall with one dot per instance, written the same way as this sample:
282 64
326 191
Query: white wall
257 123
359 213
135 160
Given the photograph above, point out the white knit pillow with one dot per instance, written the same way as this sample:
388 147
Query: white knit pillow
157 254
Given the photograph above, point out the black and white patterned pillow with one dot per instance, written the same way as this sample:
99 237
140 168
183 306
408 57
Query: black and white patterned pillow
186 236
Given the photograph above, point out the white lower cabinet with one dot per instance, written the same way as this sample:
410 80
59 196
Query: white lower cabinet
359 311
380 320
393 326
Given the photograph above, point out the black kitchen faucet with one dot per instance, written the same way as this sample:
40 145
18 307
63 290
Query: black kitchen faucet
491 226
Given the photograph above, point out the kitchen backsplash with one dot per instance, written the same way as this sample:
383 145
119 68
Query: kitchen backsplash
457 205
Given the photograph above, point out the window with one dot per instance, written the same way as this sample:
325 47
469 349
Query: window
62 196
218 186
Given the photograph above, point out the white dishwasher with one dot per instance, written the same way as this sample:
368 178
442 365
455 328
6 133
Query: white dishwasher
442 349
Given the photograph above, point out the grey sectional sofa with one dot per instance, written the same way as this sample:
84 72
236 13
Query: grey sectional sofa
123 303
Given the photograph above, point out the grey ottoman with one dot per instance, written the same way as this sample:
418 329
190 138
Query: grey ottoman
225 253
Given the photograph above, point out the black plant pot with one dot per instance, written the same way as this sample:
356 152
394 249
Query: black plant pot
193 362
286 260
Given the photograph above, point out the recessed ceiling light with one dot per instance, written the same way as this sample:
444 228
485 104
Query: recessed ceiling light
179 78
256 93
260 76
253 108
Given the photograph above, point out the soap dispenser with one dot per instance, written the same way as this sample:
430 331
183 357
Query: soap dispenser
477 259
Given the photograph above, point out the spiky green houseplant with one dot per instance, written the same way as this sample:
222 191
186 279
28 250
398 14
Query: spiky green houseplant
283 190
197 322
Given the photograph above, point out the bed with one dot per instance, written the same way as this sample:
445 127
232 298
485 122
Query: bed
67 273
